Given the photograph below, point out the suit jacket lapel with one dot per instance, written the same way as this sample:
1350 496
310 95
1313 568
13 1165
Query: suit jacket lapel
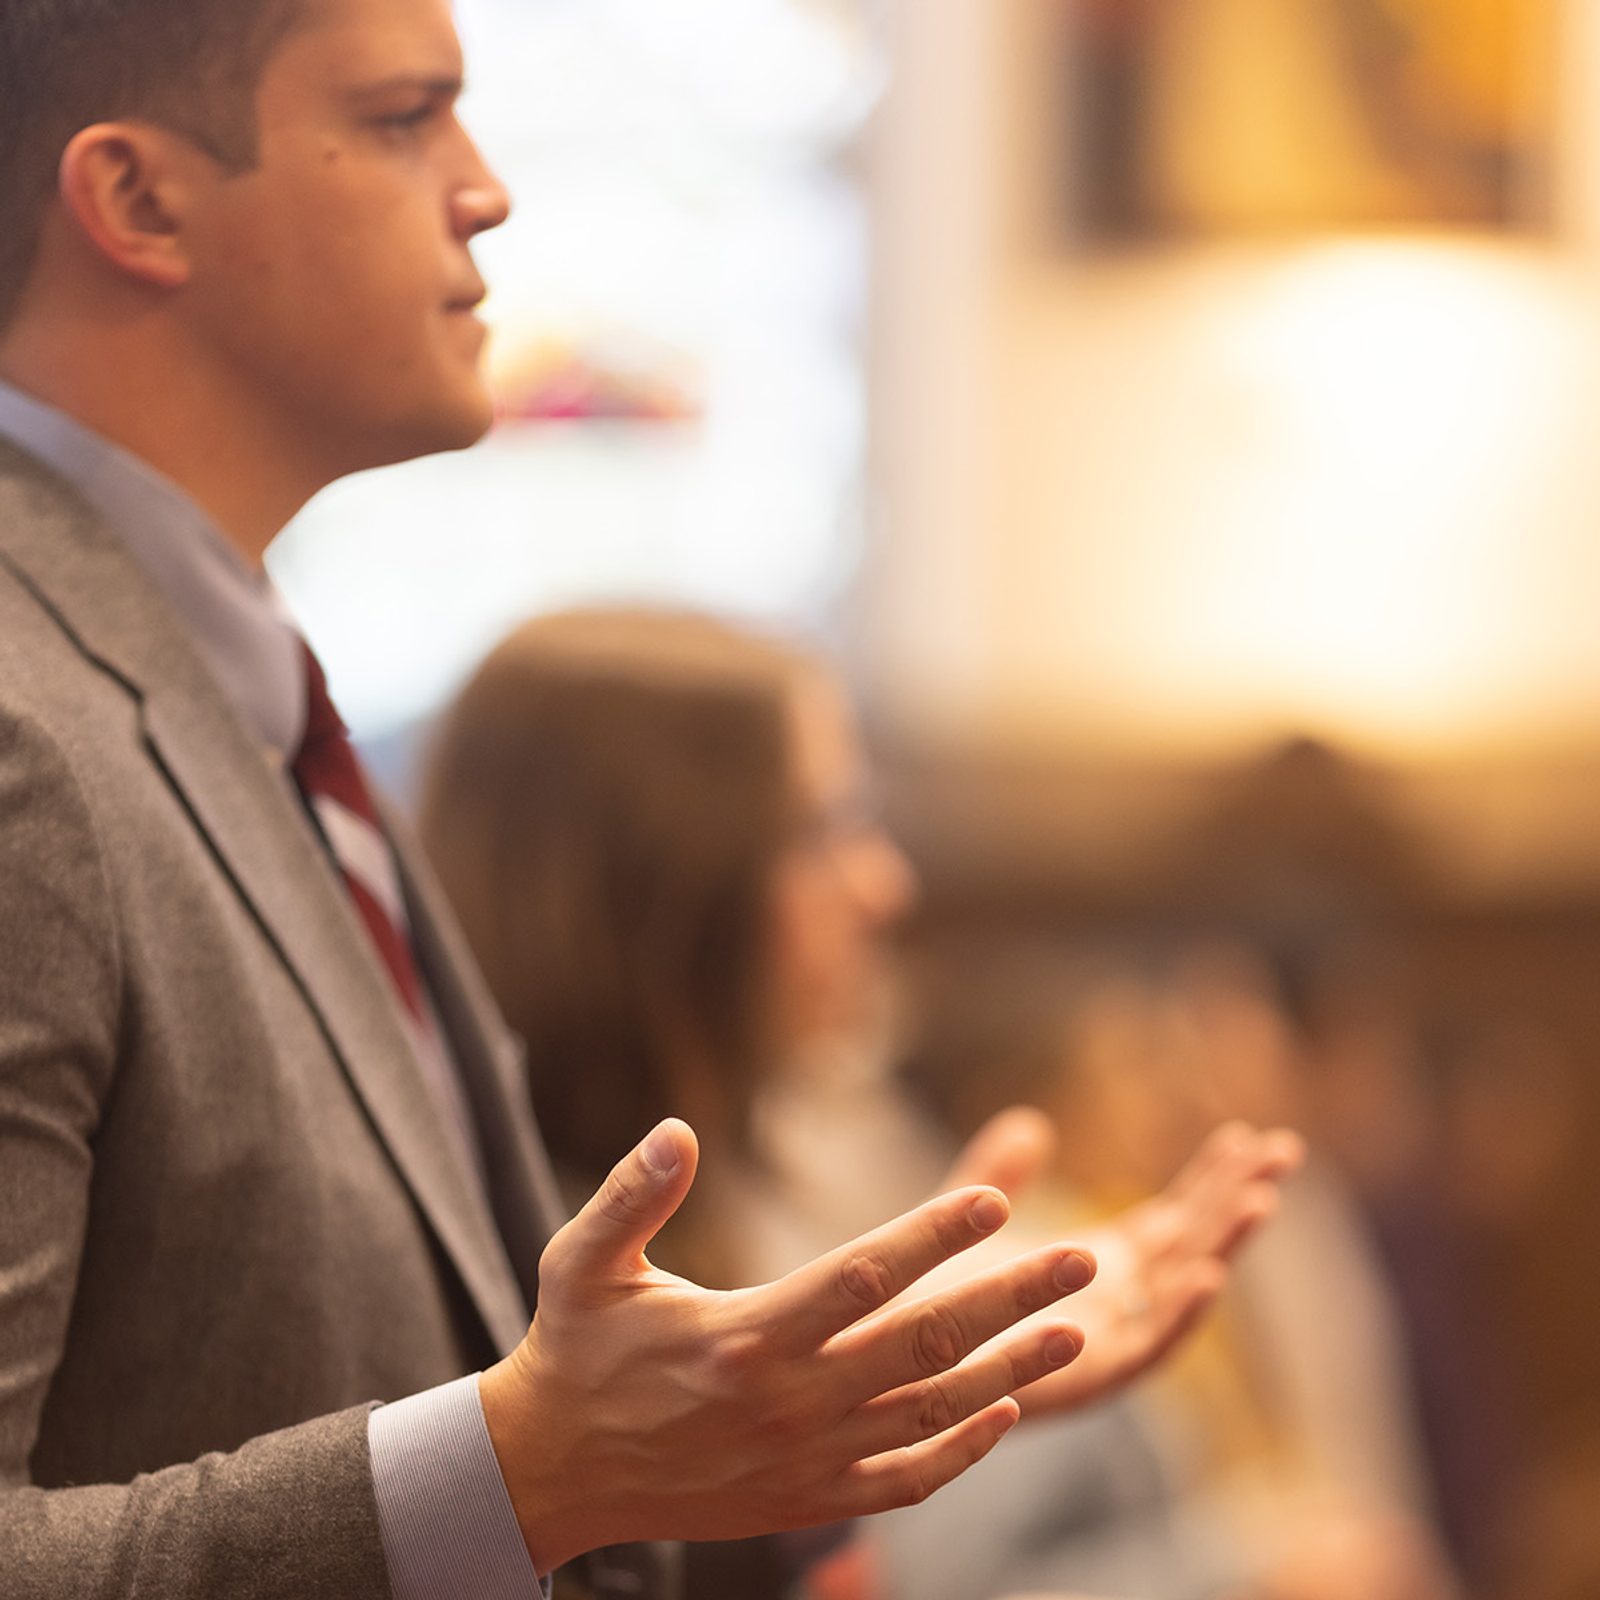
245 808
522 1186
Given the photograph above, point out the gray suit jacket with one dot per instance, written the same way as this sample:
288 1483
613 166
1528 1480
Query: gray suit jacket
227 1224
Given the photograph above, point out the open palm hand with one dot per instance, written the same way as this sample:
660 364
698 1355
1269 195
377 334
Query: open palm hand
1161 1262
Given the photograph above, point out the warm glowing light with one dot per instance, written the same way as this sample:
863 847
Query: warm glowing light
1372 557
1350 489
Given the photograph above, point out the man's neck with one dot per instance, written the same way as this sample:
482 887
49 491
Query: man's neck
234 467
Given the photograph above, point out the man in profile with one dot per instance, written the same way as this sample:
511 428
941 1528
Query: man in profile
264 1158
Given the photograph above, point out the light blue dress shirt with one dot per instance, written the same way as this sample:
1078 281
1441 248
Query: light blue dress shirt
449 1531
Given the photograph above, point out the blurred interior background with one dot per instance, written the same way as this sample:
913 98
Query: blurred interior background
1180 418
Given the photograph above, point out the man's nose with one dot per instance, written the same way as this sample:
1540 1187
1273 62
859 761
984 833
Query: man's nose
482 203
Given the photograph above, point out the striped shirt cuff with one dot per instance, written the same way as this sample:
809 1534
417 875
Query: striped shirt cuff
449 1532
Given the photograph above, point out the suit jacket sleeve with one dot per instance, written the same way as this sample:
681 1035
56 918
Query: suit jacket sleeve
286 1515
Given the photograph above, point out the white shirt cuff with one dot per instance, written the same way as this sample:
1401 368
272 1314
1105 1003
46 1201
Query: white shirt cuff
449 1532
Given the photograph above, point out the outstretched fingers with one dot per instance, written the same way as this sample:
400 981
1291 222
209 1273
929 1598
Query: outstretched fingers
837 1290
930 1336
907 1476
1237 1146
1218 1151
931 1406
1231 1187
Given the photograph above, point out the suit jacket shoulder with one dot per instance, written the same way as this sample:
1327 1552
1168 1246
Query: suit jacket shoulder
222 1208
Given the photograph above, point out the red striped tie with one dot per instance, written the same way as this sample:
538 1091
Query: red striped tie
335 788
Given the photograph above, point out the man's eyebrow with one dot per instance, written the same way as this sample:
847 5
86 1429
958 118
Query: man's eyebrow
442 86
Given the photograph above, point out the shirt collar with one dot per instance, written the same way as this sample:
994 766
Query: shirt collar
233 612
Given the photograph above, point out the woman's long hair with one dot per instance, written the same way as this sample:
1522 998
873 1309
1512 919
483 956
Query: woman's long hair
604 804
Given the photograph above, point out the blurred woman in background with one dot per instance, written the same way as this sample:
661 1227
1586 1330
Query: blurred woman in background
660 838
656 832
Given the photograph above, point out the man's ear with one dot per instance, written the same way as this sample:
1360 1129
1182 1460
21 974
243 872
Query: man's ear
120 184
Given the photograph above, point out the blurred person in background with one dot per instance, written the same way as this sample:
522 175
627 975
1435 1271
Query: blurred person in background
1281 1445
659 834
1453 1135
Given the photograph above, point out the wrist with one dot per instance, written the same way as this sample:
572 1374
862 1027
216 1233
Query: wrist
558 1520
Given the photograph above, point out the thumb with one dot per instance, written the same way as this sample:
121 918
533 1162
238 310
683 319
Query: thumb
1009 1152
631 1207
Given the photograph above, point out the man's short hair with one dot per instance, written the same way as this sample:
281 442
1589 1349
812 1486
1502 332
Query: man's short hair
192 66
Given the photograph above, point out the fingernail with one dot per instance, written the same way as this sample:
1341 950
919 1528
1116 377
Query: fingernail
661 1152
1060 1348
1073 1271
987 1213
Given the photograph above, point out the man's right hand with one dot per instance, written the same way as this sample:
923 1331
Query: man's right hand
641 1406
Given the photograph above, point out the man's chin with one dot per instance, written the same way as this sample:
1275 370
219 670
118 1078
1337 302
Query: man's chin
439 433
469 432
461 426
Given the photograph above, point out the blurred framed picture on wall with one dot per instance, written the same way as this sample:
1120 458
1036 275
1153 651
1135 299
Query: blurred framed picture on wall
1197 118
